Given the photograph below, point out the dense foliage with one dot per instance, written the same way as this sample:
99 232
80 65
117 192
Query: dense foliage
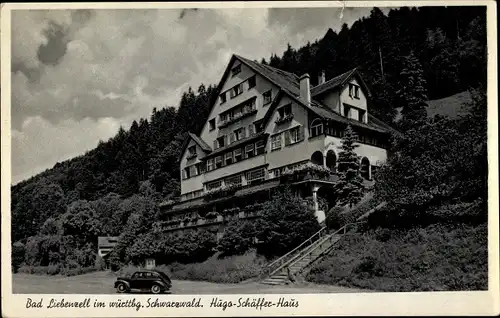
113 189
286 222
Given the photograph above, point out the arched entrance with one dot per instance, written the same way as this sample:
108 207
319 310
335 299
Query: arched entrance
317 158
331 160
365 168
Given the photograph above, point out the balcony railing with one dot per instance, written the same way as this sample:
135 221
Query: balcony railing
242 115
284 119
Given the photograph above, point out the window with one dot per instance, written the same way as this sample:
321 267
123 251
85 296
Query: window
251 82
187 173
316 127
210 164
236 70
229 158
260 147
220 142
285 110
234 180
256 176
237 90
218 162
237 155
361 115
249 151
353 91
211 124
267 97
346 111
276 142
200 167
192 152
240 133
214 185
223 98
294 135
193 171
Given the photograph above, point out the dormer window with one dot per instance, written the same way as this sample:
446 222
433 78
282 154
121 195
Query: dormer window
267 97
353 91
236 70
191 152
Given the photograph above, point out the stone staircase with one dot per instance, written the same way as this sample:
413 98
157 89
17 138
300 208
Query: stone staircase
293 265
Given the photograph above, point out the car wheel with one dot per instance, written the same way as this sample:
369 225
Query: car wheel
156 289
121 288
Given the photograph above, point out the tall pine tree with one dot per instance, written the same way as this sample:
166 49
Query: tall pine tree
412 93
349 189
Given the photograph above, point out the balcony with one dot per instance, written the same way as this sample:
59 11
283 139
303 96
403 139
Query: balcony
307 171
242 115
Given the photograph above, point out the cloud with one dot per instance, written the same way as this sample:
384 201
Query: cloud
72 69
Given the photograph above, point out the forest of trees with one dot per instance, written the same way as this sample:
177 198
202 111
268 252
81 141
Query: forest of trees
406 57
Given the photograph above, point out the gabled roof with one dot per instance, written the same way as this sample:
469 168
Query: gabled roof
284 80
338 82
107 241
203 145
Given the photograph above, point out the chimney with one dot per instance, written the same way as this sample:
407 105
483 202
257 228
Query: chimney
321 77
305 89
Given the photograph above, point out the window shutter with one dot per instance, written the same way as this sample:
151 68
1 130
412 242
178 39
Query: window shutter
243 133
287 138
215 144
232 138
184 175
301 133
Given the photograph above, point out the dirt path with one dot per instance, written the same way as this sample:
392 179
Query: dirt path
102 283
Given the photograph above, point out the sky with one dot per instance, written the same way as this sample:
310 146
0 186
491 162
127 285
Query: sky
78 75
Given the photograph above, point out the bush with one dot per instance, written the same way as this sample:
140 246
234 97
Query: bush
285 223
238 238
233 269
435 258
55 269
18 251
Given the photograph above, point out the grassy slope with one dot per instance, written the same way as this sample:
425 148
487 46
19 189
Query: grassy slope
435 258
450 106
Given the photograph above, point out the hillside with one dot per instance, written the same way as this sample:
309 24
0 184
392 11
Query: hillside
113 189
453 106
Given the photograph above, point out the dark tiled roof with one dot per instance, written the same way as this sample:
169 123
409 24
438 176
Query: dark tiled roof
203 145
285 80
332 83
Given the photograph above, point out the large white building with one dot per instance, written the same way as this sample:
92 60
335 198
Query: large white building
264 122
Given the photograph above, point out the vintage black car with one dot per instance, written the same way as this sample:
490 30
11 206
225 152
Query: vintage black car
152 280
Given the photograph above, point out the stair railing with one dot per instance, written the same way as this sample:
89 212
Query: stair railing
343 230
289 256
